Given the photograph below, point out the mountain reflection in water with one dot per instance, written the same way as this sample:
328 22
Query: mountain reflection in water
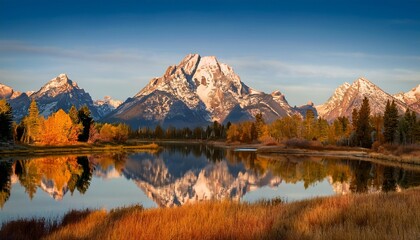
183 174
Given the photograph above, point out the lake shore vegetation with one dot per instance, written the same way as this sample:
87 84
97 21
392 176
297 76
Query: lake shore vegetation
355 216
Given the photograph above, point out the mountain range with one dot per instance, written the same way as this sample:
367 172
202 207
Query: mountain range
349 96
198 91
58 93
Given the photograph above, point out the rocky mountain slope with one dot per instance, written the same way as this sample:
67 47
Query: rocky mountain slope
350 96
197 91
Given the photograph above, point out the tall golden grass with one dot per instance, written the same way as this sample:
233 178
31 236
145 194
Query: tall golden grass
375 216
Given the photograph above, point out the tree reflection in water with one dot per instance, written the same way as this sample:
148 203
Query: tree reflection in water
162 169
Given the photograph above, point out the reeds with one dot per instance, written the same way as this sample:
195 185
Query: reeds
359 216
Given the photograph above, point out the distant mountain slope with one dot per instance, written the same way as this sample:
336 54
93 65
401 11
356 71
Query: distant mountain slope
106 105
304 108
195 92
350 96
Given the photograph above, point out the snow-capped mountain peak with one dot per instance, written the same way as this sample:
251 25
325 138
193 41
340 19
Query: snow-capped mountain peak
108 100
56 86
205 89
106 105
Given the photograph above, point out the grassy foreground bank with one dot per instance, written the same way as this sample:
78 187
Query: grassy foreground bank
374 216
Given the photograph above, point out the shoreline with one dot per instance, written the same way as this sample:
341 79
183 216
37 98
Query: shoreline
140 144
34 150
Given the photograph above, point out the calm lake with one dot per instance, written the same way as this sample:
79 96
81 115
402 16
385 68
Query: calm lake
180 174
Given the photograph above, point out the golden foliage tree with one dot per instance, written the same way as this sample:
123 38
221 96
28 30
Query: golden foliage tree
60 129
117 133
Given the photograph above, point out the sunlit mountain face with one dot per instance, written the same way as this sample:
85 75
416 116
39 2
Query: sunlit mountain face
177 175
198 91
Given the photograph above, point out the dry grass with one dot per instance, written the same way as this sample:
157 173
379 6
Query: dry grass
397 153
375 216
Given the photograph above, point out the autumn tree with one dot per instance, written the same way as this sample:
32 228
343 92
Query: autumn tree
259 124
6 118
390 122
32 124
121 133
114 133
94 135
287 127
233 133
322 130
59 129
74 115
378 125
309 124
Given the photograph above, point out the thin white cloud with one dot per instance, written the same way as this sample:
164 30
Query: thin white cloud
372 56
279 69
86 54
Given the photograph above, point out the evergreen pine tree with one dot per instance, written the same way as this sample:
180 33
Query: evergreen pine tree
390 122
411 120
6 118
86 120
363 128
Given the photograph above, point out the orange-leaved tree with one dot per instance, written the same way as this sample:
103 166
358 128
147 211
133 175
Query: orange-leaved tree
59 129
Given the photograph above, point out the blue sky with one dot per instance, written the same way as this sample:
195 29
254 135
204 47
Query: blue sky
305 49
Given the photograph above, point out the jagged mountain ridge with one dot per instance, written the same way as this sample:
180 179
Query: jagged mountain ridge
58 93
197 91
349 96
411 98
